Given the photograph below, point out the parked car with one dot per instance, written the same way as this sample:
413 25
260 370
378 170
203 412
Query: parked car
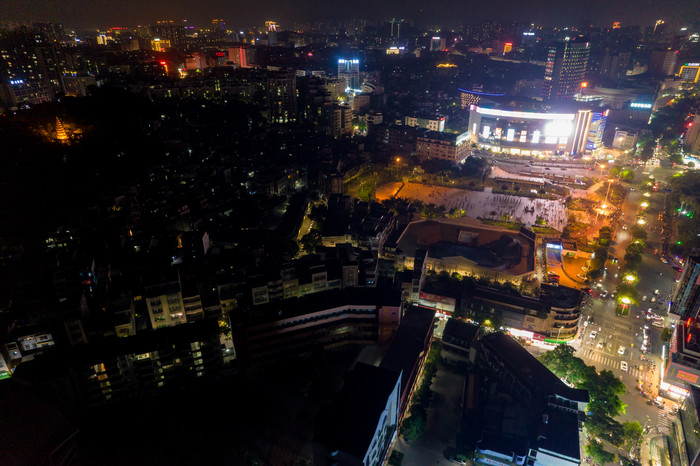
593 334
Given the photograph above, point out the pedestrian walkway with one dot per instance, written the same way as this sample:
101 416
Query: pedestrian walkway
597 356
665 416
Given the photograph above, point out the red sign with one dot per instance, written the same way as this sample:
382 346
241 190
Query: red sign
436 298
538 337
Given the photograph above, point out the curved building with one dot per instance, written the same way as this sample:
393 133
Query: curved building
537 133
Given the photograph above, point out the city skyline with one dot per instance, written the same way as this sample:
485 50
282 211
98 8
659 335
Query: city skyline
446 13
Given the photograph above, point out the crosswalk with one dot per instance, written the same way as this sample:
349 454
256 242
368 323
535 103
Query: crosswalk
598 357
664 416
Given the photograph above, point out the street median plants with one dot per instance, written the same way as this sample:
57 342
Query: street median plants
414 426
604 390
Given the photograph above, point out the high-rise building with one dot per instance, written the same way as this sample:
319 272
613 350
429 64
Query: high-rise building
168 30
437 43
28 68
690 73
282 96
686 298
566 65
242 55
349 69
218 25
662 62
614 65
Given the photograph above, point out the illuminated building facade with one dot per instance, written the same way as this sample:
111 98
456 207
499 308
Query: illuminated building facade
242 55
534 133
469 98
160 45
28 69
349 69
566 65
690 73
443 146
686 298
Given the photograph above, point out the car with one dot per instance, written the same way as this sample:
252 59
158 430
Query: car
664 260
624 227
656 292
644 298
600 345
658 323
623 366
621 350
653 300
546 168
593 334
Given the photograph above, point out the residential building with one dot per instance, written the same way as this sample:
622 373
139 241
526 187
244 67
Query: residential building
362 420
450 147
409 348
328 319
166 307
138 366
433 123
28 68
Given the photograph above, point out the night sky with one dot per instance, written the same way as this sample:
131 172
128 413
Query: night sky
239 14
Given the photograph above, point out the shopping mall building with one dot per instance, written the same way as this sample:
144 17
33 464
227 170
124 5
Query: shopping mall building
572 132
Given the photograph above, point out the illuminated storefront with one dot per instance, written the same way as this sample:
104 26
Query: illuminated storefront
535 133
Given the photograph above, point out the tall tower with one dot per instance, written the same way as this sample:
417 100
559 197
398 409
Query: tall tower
686 298
566 66
61 134
349 69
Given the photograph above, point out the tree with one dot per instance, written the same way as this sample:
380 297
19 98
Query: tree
638 233
632 432
598 453
414 426
627 175
666 334
606 428
604 390
311 241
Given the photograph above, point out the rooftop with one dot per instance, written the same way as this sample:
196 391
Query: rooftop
557 432
529 369
316 302
408 343
351 420
458 329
